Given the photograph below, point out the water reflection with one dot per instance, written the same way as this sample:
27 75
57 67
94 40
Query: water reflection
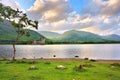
94 51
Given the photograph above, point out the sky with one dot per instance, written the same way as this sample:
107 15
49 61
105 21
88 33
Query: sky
96 16
25 4
77 5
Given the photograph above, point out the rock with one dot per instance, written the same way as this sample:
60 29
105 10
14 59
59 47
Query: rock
76 56
24 58
60 67
92 60
54 55
86 58
112 67
32 67
41 58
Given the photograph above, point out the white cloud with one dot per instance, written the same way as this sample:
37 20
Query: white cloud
107 21
50 10
99 16
111 7
103 16
86 20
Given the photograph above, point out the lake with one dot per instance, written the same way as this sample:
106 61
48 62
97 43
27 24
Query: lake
91 51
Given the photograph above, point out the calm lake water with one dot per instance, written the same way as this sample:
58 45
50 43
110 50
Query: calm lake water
92 51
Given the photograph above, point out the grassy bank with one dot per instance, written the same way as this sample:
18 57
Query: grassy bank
46 70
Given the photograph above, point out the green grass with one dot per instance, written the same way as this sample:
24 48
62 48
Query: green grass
46 70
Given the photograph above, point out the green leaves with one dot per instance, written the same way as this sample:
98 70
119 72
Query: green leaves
14 24
7 12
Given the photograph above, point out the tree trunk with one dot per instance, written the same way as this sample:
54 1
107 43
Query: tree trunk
14 48
14 52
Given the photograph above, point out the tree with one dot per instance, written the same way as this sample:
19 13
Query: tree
23 22
19 20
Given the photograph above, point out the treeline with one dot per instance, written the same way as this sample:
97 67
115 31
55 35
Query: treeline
106 42
49 41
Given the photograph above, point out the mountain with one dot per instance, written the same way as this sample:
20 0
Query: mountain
78 36
8 33
112 37
49 34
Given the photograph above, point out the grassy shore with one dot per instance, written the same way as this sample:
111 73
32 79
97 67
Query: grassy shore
46 70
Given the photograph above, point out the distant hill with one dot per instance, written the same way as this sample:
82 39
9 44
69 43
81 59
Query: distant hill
74 36
112 37
49 34
8 34
79 36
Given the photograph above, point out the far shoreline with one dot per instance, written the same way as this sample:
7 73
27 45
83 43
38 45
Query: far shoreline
74 59
62 44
